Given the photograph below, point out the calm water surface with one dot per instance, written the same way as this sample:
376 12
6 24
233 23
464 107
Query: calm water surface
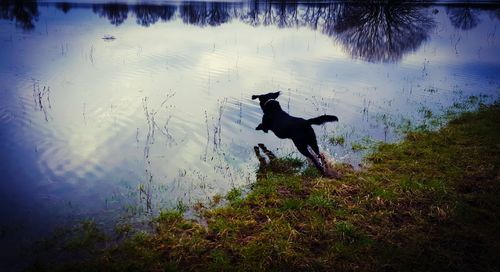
120 109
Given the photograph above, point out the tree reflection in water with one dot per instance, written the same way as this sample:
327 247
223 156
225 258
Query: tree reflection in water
116 13
205 13
464 18
382 33
64 7
371 31
150 14
23 13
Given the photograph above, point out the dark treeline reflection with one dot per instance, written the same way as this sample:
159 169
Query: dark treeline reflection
145 15
65 7
23 13
464 18
367 30
381 32
206 13
149 14
116 13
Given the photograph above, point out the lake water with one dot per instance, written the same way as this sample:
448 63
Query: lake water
112 110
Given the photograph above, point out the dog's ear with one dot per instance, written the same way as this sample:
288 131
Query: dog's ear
255 97
275 95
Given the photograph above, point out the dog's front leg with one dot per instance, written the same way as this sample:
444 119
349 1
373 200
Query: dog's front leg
261 127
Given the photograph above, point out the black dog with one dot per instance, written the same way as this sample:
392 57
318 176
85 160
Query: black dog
286 126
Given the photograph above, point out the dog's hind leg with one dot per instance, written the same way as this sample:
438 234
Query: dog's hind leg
267 152
262 160
314 145
317 154
304 151
328 170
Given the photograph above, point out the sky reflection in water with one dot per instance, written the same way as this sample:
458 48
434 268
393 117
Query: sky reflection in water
102 103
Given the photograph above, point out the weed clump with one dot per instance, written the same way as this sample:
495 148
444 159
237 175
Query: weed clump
337 140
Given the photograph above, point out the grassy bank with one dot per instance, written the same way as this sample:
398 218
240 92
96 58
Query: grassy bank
430 202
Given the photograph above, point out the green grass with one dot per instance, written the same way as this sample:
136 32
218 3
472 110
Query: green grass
169 215
234 195
337 140
358 146
428 203
362 144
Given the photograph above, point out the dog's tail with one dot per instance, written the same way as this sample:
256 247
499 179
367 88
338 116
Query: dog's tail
322 119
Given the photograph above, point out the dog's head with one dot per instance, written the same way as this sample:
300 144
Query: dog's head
263 98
